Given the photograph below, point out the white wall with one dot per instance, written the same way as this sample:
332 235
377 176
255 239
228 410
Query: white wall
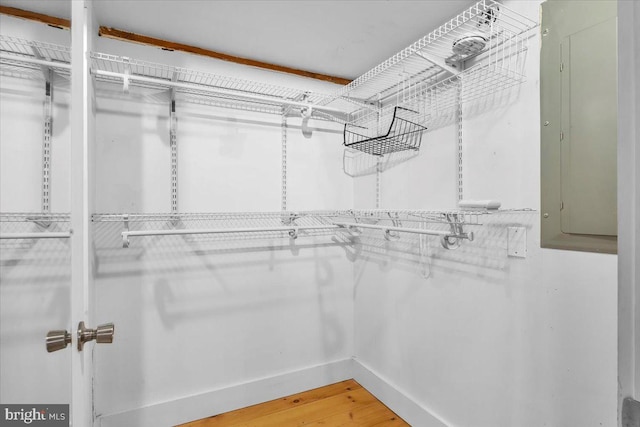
192 315
34 298
34 276
21 133
199 315
195 315
488 340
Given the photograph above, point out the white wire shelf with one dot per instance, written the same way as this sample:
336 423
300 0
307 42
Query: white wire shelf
426 77
341 226
25 58
413 217
122 65
437 103
269 225
231 218
472 56
488 19
31 226
230 103
30 217
206 88
486 39
203 227
322 217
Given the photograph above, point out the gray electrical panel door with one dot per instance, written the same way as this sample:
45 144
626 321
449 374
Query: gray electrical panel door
578 108
589 128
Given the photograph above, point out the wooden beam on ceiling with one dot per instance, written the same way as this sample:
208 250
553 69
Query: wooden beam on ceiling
39 17
114 33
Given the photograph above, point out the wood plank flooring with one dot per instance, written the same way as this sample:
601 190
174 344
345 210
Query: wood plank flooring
345 403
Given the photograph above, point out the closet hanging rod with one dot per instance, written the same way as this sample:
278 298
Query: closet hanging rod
441 233
44 235
216 91
292 230
35 61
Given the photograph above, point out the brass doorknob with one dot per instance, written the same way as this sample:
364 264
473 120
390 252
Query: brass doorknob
103 334
57 340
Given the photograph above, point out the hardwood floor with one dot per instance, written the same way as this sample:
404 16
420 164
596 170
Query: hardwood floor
345 403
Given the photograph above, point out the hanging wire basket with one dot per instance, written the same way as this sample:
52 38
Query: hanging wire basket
403 134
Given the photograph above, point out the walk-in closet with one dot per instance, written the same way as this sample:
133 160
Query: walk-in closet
317 212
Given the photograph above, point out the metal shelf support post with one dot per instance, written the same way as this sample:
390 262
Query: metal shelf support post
459 151
283 129
46 143
173 143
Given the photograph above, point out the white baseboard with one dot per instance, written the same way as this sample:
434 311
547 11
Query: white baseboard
241 395
397 401
230 398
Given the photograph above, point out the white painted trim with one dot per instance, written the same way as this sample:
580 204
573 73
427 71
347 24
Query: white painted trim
398 401
628 204
81 120
230 398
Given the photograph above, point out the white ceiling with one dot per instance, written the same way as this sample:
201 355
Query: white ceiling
340 38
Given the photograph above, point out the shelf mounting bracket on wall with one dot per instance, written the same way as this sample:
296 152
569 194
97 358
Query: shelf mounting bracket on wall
460 185
47 131
283 130
286 110
46 143
457 232
378 163
127 72
378 182
173 144
431 58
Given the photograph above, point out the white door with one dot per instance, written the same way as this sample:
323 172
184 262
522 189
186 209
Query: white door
83 31
46 269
